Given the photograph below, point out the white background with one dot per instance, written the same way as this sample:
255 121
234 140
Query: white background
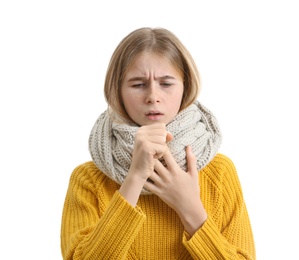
53 60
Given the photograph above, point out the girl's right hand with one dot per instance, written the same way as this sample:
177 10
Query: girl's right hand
150 145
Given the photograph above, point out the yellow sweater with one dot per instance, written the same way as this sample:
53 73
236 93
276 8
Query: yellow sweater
98 223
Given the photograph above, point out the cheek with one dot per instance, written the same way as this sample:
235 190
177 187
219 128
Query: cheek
178 100
179 96
125 96
130 102
128 97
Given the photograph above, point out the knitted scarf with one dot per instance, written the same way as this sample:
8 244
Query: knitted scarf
111 142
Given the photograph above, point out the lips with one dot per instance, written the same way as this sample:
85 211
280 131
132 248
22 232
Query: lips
154 115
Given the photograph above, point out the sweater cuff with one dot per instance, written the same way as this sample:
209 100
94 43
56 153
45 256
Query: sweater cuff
208 239
124 215
120 223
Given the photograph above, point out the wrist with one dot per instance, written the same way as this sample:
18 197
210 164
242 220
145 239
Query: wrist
131 188
194 219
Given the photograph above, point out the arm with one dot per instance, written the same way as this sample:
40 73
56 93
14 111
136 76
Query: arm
228 234
150 145
180 190
87 233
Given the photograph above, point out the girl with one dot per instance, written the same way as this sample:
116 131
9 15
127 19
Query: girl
156 187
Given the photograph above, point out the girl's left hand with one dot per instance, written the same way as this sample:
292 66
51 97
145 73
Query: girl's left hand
179 189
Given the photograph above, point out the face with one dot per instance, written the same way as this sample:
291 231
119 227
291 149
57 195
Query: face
152 90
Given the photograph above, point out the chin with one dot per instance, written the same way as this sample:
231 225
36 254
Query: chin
152 122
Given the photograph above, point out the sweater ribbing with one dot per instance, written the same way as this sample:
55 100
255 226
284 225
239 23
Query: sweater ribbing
98 223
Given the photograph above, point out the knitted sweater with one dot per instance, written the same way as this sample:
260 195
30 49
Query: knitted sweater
98 223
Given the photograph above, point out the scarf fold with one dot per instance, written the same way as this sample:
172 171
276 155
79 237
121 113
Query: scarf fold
111 142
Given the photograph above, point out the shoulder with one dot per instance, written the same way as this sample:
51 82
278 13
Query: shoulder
86 166
219 168
222 162
87 174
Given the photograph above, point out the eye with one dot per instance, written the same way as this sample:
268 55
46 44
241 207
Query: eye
166 84
138 85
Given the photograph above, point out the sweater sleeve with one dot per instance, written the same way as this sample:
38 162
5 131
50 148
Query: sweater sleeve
233 238
88 234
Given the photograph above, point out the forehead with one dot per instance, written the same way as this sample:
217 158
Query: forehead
149 62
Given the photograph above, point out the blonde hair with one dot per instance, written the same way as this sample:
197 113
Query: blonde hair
157 40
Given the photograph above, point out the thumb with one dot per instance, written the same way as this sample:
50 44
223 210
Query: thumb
169 137
191 160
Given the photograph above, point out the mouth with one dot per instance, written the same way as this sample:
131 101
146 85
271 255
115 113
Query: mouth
154 115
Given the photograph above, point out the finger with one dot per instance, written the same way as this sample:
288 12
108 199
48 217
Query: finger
155 135
169 159
151 185
169 137
159 150
191 160
159 168
155 178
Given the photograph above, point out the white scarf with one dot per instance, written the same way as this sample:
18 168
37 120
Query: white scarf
111 143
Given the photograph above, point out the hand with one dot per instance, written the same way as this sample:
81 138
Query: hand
179 189
150 145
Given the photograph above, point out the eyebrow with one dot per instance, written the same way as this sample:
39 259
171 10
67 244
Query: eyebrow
144 78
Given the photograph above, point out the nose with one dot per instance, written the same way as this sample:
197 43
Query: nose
152 95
